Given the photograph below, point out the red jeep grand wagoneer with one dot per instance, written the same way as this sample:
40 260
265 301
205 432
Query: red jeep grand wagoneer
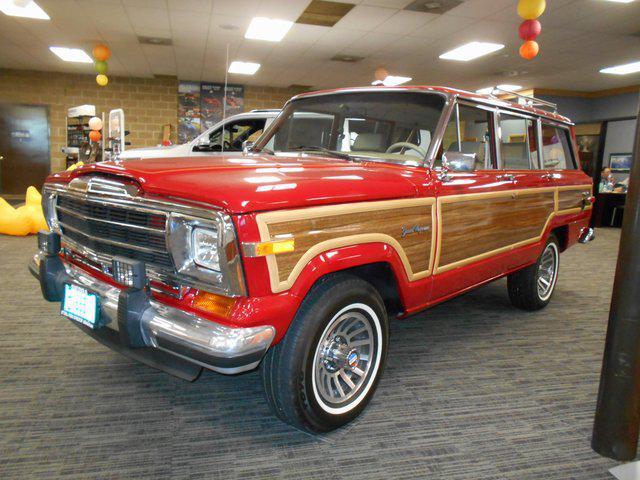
354 207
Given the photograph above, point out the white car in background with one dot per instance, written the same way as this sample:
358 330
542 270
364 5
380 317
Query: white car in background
237 128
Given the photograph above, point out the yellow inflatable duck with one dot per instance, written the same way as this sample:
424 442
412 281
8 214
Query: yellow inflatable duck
23 220
75 165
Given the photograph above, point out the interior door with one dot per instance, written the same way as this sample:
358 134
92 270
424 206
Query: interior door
24 147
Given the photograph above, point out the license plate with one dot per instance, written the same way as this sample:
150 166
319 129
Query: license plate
81 305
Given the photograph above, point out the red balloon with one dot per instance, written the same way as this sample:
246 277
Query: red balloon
95 136
529 30
529 49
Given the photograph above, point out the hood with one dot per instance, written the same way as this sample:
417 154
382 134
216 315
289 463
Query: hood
156 152
249 183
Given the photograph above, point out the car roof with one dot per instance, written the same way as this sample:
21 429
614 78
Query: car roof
486 99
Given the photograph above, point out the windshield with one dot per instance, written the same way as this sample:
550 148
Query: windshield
395 127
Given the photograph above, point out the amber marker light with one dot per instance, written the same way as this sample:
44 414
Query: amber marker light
262 249
212 303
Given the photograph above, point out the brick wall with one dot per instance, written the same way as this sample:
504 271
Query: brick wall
148 103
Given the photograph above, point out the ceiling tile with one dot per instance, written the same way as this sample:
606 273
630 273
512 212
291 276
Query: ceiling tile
363 17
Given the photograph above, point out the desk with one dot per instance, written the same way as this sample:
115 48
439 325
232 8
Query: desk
603 208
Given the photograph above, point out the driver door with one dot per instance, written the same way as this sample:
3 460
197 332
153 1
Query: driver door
470 205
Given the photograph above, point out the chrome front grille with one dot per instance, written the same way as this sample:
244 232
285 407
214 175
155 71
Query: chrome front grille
109 229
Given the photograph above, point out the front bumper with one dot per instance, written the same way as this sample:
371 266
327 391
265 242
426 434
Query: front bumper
156 334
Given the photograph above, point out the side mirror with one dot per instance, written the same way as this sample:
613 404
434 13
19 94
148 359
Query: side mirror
246 146
459 162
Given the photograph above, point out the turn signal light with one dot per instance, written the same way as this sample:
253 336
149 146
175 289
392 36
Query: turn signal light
216 304
263 249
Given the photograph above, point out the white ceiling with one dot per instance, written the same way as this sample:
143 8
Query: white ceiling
578 38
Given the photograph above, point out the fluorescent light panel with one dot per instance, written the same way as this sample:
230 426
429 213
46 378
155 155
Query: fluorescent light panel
471 51
23 8
244 68
268 29
392 81
504 86
626 69
71 54
621 1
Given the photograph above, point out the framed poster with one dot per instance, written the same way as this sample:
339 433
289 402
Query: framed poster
620 162
588 145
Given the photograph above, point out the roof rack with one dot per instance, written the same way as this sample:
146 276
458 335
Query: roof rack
527 100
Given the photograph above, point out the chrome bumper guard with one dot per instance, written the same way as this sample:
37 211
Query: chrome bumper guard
158 326
586 235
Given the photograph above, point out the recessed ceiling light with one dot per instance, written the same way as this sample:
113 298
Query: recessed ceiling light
625 69
269 29
472 50
23 8
244 68
71 54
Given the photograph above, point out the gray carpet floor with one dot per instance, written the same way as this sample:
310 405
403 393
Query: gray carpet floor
473 389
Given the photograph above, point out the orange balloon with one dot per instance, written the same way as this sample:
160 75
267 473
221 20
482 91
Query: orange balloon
101 52
95 135
529 50
381 73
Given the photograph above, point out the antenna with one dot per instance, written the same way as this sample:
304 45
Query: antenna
224 99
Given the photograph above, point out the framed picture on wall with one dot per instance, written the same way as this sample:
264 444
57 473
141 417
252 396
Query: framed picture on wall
588 145
620 162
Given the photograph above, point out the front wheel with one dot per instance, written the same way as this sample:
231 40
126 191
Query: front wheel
531 288
326 369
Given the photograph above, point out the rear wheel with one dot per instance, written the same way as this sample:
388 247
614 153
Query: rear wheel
326 369
531 288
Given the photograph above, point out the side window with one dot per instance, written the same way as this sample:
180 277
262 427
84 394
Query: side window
556 150
471 134
518 147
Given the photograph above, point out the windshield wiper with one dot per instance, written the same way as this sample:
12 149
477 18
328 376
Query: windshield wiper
332 153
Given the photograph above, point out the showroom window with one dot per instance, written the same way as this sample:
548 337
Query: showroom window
556 148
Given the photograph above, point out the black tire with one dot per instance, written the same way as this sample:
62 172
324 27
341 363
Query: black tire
290 368
523 284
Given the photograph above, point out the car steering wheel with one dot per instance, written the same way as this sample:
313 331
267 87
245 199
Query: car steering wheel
412 146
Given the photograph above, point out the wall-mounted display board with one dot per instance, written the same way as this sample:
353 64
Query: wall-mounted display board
200 106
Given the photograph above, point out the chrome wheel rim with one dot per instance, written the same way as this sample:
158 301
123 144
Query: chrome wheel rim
547 271
346 358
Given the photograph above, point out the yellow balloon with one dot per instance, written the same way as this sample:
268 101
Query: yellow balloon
531 9
102 80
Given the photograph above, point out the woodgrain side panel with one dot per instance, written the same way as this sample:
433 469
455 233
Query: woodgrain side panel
312 231
319 229
475 226
571 198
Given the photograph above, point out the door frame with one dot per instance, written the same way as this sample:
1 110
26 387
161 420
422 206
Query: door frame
47 109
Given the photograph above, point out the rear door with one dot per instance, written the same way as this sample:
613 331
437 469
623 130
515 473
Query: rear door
561 166
533 195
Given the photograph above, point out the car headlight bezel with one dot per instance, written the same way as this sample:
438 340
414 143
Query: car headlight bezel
49 199
227 278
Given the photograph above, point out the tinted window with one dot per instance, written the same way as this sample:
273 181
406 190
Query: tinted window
556 151
474 135
518 150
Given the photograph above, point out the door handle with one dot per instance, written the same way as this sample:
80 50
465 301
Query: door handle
507 177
